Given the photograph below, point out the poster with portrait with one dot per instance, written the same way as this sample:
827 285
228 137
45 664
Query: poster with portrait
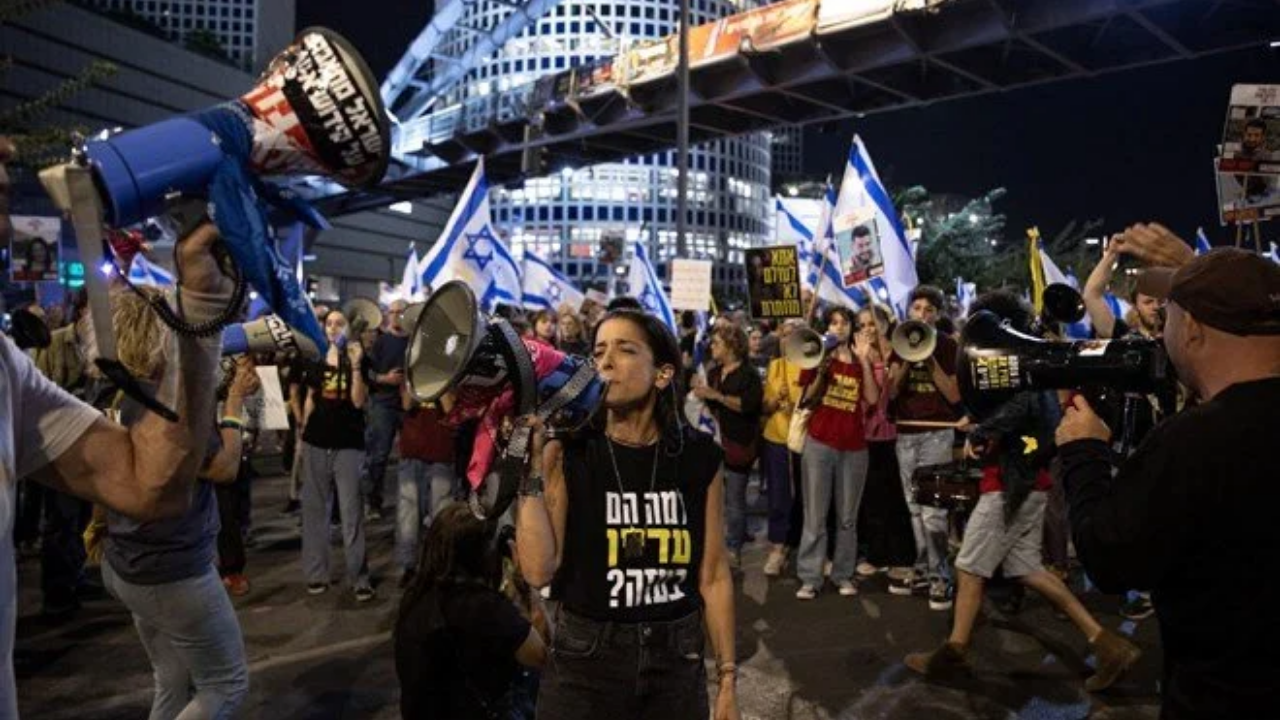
857 239
33 252
1248 163
773 282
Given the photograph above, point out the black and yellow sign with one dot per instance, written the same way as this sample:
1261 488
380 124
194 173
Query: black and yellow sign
773 282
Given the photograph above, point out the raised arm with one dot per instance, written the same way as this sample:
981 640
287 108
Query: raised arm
147 471
1095 288
541 519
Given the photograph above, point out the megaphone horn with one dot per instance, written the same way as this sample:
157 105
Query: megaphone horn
266 334
806 348
914 341
362 314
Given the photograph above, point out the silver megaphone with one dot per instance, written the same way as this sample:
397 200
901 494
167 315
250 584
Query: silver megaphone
914 341
806 349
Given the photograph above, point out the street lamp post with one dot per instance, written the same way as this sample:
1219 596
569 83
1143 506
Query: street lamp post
682 134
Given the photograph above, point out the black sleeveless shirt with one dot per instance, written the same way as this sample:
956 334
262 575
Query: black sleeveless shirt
603 575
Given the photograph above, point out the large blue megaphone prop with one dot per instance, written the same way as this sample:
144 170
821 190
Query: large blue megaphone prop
315 111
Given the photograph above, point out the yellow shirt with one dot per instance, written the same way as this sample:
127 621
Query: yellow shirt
782 382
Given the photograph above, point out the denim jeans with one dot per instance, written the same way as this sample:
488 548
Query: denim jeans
190 632
380 435
735 509
327 469
929 524
830 473
781 467
425 488
625 671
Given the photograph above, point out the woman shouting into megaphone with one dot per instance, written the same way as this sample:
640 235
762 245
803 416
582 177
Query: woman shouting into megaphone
626 523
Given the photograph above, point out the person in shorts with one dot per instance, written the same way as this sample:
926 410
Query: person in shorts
1014 444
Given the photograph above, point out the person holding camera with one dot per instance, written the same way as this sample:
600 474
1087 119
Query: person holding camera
1190 515
628 528
458 640
1014 444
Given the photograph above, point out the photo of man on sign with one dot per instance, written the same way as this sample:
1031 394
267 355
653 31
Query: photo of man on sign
857 239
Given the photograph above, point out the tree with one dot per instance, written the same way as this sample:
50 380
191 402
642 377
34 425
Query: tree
958 237
40 143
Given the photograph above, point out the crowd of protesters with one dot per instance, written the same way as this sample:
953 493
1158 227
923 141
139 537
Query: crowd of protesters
829 451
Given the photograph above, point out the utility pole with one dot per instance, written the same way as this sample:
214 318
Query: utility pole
682 135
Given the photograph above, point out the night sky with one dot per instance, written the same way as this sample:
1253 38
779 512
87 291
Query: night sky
1125 147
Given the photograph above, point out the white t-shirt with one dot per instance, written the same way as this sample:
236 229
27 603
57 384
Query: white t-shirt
38 422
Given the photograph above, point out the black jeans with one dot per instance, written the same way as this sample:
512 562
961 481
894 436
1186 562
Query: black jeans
232 503
625 671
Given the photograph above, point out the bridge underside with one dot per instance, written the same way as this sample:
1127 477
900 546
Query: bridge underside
964 48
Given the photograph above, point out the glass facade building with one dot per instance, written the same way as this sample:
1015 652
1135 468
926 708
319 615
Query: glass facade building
563 217
251 32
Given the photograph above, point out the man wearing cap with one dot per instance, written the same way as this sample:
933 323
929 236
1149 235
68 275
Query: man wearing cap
1192 513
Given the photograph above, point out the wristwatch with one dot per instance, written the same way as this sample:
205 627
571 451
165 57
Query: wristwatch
531 486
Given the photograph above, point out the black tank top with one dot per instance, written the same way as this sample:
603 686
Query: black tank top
605 572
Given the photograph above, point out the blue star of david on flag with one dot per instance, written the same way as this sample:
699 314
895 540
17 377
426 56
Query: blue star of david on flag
553 292
473 253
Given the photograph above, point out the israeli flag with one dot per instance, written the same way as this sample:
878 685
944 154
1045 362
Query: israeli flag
410 289
646 288
470 250
966 293
143 272
791 229
861 188
1053 274
1202 242
545 287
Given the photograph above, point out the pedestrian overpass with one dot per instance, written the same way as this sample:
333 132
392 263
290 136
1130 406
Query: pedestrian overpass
790 63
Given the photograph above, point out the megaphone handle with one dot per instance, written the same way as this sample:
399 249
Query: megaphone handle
115 371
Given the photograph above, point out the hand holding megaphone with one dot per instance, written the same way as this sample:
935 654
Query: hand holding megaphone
1080 422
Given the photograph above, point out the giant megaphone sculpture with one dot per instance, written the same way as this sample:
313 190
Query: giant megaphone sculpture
315 111
479 367
996 361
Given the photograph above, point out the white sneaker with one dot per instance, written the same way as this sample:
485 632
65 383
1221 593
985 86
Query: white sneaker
806 592
847 588
775 563
866 569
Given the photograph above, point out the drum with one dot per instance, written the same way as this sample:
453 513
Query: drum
949 486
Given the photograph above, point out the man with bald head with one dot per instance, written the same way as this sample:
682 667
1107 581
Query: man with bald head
384 370
1191 514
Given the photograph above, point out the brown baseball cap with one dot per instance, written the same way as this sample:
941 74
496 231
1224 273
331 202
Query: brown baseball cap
1232 290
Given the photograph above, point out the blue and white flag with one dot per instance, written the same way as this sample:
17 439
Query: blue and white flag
861 189
646 288
545 287
966 293
1202 242
792 228
695 410
470 250
1053 274
410 289
142 272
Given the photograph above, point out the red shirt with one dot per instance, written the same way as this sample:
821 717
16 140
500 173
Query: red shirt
919 398
837 420
991 482
424 437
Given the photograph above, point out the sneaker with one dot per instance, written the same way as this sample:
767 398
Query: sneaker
941 595
866 569
236 584
847 588
776 562
1137 607
806 592
317 588
920 584
1114 656
901 584
364 594
947 661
